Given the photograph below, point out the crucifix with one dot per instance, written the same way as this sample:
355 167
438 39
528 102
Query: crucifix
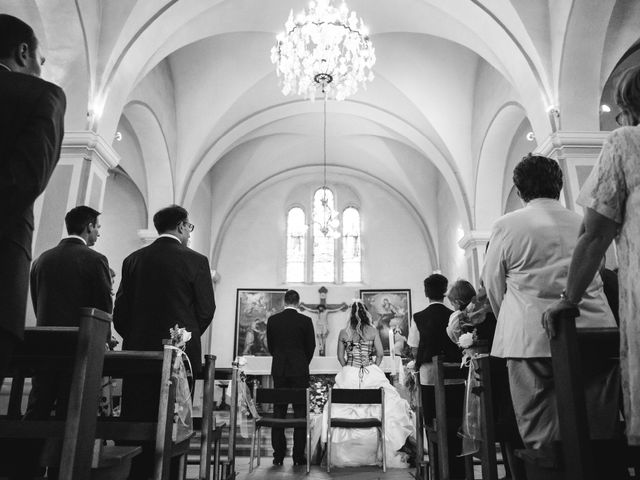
323 310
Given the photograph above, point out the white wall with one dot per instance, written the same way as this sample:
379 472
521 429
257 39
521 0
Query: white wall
253 249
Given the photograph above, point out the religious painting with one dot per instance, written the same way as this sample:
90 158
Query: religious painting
253 309
391 312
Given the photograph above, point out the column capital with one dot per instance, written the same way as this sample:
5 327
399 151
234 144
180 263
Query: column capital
90 146
474 239
572 144
147 235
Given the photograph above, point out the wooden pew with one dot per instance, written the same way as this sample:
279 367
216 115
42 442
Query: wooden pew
131 363
80 352
438 432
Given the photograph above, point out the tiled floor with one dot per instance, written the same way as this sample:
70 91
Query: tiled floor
289 472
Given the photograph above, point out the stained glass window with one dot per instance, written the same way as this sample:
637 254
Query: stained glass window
296 244
351 255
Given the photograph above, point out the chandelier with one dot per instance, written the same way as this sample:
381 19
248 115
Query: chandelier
327 219
326 48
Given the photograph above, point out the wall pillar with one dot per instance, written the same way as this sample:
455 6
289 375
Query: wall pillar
576 152
79 178
474 244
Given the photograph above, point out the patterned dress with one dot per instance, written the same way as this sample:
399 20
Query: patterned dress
613 190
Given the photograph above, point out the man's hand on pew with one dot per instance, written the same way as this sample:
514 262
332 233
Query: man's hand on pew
561 309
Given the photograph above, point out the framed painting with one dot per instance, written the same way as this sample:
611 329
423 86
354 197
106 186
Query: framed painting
390 310
253 308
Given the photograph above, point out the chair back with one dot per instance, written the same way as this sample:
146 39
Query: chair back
356 396
295 396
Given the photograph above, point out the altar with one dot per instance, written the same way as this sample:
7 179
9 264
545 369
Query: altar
261 365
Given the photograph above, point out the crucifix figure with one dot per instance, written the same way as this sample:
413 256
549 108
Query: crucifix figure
323 310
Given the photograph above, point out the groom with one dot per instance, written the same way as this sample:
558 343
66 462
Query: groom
291 342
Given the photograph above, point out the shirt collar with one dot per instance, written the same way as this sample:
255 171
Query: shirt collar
289 307
433 302
168 235
543 201
78 237
4 66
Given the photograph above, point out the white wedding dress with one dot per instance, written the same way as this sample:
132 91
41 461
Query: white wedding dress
354 446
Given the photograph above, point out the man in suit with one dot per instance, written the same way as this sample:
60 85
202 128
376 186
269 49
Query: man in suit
31 131
63 280
525 271
427 338
291 341
163 284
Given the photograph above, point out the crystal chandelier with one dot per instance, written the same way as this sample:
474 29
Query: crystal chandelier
326 48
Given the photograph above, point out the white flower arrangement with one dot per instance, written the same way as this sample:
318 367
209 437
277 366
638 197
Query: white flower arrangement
179 336
241 361
467 340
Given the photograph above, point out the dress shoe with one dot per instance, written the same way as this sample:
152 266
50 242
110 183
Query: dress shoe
300 461
278 462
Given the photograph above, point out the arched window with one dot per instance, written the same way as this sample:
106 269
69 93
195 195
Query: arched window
351 270
296 244
323 241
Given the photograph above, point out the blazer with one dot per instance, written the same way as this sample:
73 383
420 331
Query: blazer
432 325
164 284
291 341
31 131
525 271
66 278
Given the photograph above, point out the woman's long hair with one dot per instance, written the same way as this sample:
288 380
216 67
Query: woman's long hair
358 320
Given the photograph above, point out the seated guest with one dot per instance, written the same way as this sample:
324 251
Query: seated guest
525 270
65 279
427 338
360 354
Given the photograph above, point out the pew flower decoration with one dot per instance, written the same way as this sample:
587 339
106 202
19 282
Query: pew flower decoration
319 392
179 336
466 341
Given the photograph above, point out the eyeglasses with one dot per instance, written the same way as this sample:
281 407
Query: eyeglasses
189 226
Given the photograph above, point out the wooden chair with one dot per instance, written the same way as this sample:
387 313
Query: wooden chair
131 363
422 464
79 351
357 397
446 375
282 396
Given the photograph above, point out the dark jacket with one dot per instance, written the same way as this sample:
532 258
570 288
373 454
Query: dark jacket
291 341
164 284
31 131
432 324
66 278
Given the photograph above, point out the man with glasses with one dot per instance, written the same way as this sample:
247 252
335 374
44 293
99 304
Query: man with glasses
31 131
163 284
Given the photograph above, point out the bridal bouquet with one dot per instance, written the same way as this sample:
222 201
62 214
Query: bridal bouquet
182 421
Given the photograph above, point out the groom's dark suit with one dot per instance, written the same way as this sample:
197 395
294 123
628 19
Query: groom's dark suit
163 284
291 341
31 131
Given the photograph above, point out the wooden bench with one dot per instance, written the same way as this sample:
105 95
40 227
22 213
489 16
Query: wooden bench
78 352
439 431
129 364
577 456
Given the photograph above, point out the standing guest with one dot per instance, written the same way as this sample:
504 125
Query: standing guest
65 279
163 284
610 197
31 130
524 272
427 338
291 342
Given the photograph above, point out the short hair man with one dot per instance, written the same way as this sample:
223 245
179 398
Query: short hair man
163 284
525 271
65 279
291 341
31 131
427 338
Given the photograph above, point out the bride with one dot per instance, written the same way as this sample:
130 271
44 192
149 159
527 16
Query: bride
360 354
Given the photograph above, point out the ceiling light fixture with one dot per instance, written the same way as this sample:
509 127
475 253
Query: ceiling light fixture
326 48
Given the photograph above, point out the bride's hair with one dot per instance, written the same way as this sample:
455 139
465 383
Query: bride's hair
358 319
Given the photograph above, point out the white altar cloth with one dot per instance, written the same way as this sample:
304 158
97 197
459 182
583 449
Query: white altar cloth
318 366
